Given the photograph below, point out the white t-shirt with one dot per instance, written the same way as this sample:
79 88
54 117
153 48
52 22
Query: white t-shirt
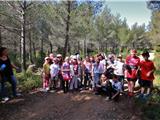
54 70
119 68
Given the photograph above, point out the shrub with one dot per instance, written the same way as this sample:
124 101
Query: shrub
28 81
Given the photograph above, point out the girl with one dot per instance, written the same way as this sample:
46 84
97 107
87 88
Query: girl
65 69
87 65
75 71
132 64
54 71
46 74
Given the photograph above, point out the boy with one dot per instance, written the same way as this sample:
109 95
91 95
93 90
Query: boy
147 69
117 88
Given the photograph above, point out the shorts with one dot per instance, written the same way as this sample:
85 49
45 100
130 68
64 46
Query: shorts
146 83
132 79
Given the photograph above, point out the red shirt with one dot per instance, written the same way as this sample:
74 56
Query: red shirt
147 66
132 61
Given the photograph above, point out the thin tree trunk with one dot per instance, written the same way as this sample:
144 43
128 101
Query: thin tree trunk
67 28
30 47
51 47
15 47
42 47
30 43
34 50
0 37
23 41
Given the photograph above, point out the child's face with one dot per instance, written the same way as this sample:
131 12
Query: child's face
145 57
115 79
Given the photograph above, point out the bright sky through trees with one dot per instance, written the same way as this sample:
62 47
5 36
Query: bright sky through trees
132 10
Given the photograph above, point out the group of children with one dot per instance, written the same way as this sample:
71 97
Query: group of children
103 75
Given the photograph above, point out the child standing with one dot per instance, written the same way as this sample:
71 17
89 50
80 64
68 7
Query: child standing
54 71
65 69
147 69
46 74
75 72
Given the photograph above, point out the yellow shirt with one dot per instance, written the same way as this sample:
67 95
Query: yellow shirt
46 68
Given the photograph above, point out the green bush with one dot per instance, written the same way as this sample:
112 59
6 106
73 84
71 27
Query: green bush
28 81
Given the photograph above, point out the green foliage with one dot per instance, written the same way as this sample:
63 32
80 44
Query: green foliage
151 112
40 59
28 81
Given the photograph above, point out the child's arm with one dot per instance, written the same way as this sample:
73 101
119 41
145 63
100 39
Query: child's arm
151 71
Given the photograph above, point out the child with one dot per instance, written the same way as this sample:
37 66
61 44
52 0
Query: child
119 70
75 72
96 72
46 74
65 69
132 64
117 88
54 70
147 69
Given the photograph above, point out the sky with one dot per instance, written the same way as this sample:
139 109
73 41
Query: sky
132 10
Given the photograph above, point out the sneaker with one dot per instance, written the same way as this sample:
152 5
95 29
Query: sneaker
52 91
18 95
140 96
43 90
96 93
107 98
4 100
146 96
47 88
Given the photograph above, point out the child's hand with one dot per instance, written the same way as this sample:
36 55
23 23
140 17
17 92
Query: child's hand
148 74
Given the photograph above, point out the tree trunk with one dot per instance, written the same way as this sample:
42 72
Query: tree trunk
0 37
51 47
15 48
30 47
67 28
34 50
23 36
42 40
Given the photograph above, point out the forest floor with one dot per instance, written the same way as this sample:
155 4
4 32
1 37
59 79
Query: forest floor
82 105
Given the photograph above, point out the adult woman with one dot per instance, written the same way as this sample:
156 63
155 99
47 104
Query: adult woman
6 73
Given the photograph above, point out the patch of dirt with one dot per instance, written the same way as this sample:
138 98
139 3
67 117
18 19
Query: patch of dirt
71 106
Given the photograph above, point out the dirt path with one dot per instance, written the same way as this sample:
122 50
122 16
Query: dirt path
70 106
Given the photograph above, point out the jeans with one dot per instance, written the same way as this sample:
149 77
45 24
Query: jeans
12 80
74 82
96 79
87 80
